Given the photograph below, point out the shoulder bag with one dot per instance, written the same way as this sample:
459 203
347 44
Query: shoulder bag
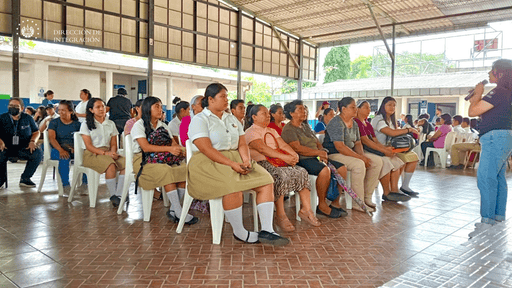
275 161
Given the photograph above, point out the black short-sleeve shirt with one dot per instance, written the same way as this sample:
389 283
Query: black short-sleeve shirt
119 108
64 132
500 116
23 128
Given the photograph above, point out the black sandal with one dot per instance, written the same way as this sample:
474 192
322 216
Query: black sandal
175 219
246 240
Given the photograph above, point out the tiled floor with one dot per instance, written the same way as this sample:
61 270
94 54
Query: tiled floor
46 242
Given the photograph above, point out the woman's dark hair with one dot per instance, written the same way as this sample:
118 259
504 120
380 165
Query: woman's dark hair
289 108
447 119
438 120
273 110
42 112
235 103
344 102
503 66
246 117
382 111
146 113
31 109
89 117
425 116
408 119
70 108
362 103
327 111
210 91
180 105
49 92
87 92
252 112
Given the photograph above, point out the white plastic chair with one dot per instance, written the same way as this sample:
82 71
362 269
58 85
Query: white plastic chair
442 152
216 208
93 177
121 148
47 163
147 195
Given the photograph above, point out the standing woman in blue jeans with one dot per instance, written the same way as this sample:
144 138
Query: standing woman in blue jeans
495 127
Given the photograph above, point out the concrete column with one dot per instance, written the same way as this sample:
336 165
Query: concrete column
404 105
463 109
169 94
109 85
39 79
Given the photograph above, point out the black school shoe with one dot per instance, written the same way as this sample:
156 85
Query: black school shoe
409 192
396 197
335 213
343 212
246 241
272 239
27 183
115 200
175 219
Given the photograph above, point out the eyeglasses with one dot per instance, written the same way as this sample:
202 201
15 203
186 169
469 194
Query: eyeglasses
14 106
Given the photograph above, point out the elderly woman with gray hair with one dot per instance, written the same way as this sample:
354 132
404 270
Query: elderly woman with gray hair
196 108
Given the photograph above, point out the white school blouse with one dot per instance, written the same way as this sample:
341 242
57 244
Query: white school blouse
138 131
103 133
174 127
224 132
81 108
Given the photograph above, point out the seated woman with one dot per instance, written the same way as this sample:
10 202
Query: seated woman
343 141
181 110
286 179
196 108
100 138
408 123
312 156
129 124
155 175
60 133
392 166
276 118
437 140
327 116
221 167
384 130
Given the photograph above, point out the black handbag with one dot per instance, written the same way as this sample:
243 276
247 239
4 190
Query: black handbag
403 141
371 150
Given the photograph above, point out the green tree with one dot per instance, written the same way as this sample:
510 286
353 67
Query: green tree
290 86
361 67
411 64
260 93
337 64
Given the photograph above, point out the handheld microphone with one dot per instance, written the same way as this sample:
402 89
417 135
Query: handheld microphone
472 91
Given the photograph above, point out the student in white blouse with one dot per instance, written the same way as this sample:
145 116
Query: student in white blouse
222 167
181 110
81 108
100 139
154 175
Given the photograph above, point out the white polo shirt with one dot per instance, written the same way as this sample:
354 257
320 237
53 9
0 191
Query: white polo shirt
138 131
223 133
81 108
174 127
103 133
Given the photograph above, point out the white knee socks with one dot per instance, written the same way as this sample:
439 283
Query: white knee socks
175 204
266 214
235 218
181 192
111 185
120 183
407 180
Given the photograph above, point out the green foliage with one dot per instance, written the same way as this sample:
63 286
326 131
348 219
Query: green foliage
361 67
337 64
290 86
411 64
260 93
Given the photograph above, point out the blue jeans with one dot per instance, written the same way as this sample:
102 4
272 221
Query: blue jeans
496 149
64 167
33 160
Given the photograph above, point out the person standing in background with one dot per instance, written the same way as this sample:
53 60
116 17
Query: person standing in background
119 108
48 97
495 111
80 109
438 115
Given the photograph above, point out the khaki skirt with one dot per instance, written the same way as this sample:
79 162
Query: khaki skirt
100 163
408 157
157 175
207 179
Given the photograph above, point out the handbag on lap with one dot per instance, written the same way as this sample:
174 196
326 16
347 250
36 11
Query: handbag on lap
275 161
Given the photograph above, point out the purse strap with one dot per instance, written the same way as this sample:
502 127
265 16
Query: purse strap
275 140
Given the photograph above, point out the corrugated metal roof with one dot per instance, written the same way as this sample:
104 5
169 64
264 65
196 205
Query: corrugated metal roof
336 22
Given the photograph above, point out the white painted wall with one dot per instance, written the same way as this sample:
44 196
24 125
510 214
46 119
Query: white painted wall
160 90
6 79
66 83
186 89
126 80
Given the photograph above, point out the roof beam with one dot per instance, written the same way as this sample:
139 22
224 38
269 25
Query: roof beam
391 54
285 47
414 21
